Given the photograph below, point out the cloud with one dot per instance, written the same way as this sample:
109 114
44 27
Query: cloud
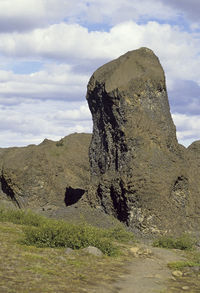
116 11
82 113
55 81
184 98
73 41
32 122
23 15
191 8
188 128
69 43
48 52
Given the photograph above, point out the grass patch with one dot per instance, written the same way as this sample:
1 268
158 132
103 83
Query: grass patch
120 234
193 260
182 264
21 217
42 232
190 268
62 234
184 242
31 269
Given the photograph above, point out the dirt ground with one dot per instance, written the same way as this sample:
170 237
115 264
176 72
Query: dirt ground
149 273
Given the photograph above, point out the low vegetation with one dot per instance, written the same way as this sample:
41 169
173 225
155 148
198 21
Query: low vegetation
61 234
184 242
179 265
189 265
193 260
34 260
42 232
21 217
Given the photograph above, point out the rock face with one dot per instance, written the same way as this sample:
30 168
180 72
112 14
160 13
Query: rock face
52 173
139 172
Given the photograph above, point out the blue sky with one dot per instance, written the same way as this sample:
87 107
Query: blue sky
50 48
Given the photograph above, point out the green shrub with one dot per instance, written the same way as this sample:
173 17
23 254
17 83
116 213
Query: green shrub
61 234
120 234
107 247
165 242
194 256
21 217
42 232
184 242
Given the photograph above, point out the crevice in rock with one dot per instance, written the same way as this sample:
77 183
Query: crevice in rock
8 191
73 195
108 135
120 204
180 191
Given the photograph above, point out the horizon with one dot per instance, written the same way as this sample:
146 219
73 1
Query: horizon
48 51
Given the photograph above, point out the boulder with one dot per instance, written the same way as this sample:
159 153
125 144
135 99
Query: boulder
93 250
139 172
69 250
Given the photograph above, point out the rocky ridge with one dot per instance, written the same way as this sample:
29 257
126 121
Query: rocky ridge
50 174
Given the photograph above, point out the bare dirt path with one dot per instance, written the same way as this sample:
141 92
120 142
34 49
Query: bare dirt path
147 273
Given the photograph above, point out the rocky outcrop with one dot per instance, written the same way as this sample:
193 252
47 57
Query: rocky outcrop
139 172
50 174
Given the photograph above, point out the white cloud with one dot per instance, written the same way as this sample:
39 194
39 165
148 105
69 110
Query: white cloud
53 82
23 15
178 50
32 122
83 113
116 11
54 33
188 128
20 14
190 8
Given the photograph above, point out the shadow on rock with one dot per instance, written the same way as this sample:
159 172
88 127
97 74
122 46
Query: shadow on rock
73 195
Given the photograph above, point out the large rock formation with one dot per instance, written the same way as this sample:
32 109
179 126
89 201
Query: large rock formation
50 174
139 172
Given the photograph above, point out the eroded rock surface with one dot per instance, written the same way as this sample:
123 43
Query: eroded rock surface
52 173
139 172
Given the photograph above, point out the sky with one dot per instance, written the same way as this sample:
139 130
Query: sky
50 48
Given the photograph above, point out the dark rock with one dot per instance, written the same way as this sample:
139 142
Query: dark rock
39 176
139 172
